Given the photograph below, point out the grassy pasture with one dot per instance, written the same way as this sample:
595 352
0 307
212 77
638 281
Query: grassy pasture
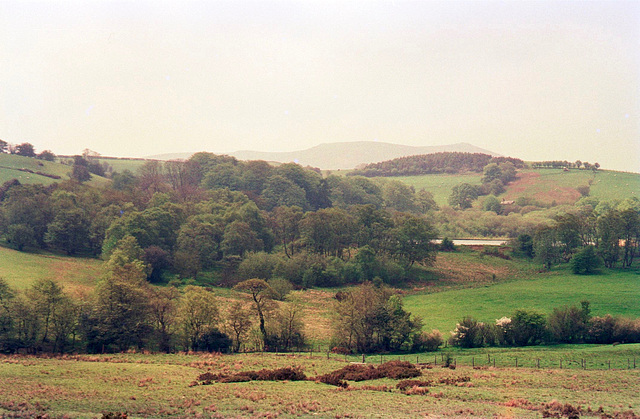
616 185
160 386
76 275
439 185
614 292
543 185
10 163
120 165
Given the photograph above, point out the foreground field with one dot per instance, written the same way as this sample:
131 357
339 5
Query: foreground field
163 386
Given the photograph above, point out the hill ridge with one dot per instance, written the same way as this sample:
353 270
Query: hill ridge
343 155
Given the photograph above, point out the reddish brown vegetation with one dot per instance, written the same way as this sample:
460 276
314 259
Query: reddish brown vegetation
280 374
406 384
359 372
454 380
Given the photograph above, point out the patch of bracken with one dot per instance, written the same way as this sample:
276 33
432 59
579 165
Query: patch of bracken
279 374
555 409
454 380
359 372
405 384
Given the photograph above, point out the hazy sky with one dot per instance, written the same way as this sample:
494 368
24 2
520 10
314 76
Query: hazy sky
535 80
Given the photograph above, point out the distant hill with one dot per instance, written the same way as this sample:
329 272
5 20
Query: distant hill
345 155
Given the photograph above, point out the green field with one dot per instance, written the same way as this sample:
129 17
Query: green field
543 185
616 185
439 185
145 386
11 163
614 292
76 275
120 165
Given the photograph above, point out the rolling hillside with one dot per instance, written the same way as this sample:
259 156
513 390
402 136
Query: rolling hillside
543 185
76 275
31 171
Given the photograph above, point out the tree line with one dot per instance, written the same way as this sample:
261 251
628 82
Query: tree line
445 162
587 237
125 312
567 324
564 164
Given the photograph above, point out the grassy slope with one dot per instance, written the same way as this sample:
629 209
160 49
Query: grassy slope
614 292
76 275
544 185
439 185
119 165
159 386
9 163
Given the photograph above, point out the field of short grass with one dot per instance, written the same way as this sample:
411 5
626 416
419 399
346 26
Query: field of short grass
439 185
615 292
120 165
10 163
166 386
543 185
76 275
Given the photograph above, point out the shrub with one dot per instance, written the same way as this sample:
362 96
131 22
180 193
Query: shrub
428 341
526 328
601 330
586 261
569 324
627 330
281 287
468 333
257 265
447 245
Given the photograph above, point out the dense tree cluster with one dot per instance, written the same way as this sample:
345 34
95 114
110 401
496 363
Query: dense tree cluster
587 236
370 319
214 213
568 324
563 164
126 312
446 162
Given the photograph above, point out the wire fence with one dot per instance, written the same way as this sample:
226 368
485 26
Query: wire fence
480 361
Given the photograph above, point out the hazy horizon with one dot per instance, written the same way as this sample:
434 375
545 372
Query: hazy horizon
536 80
